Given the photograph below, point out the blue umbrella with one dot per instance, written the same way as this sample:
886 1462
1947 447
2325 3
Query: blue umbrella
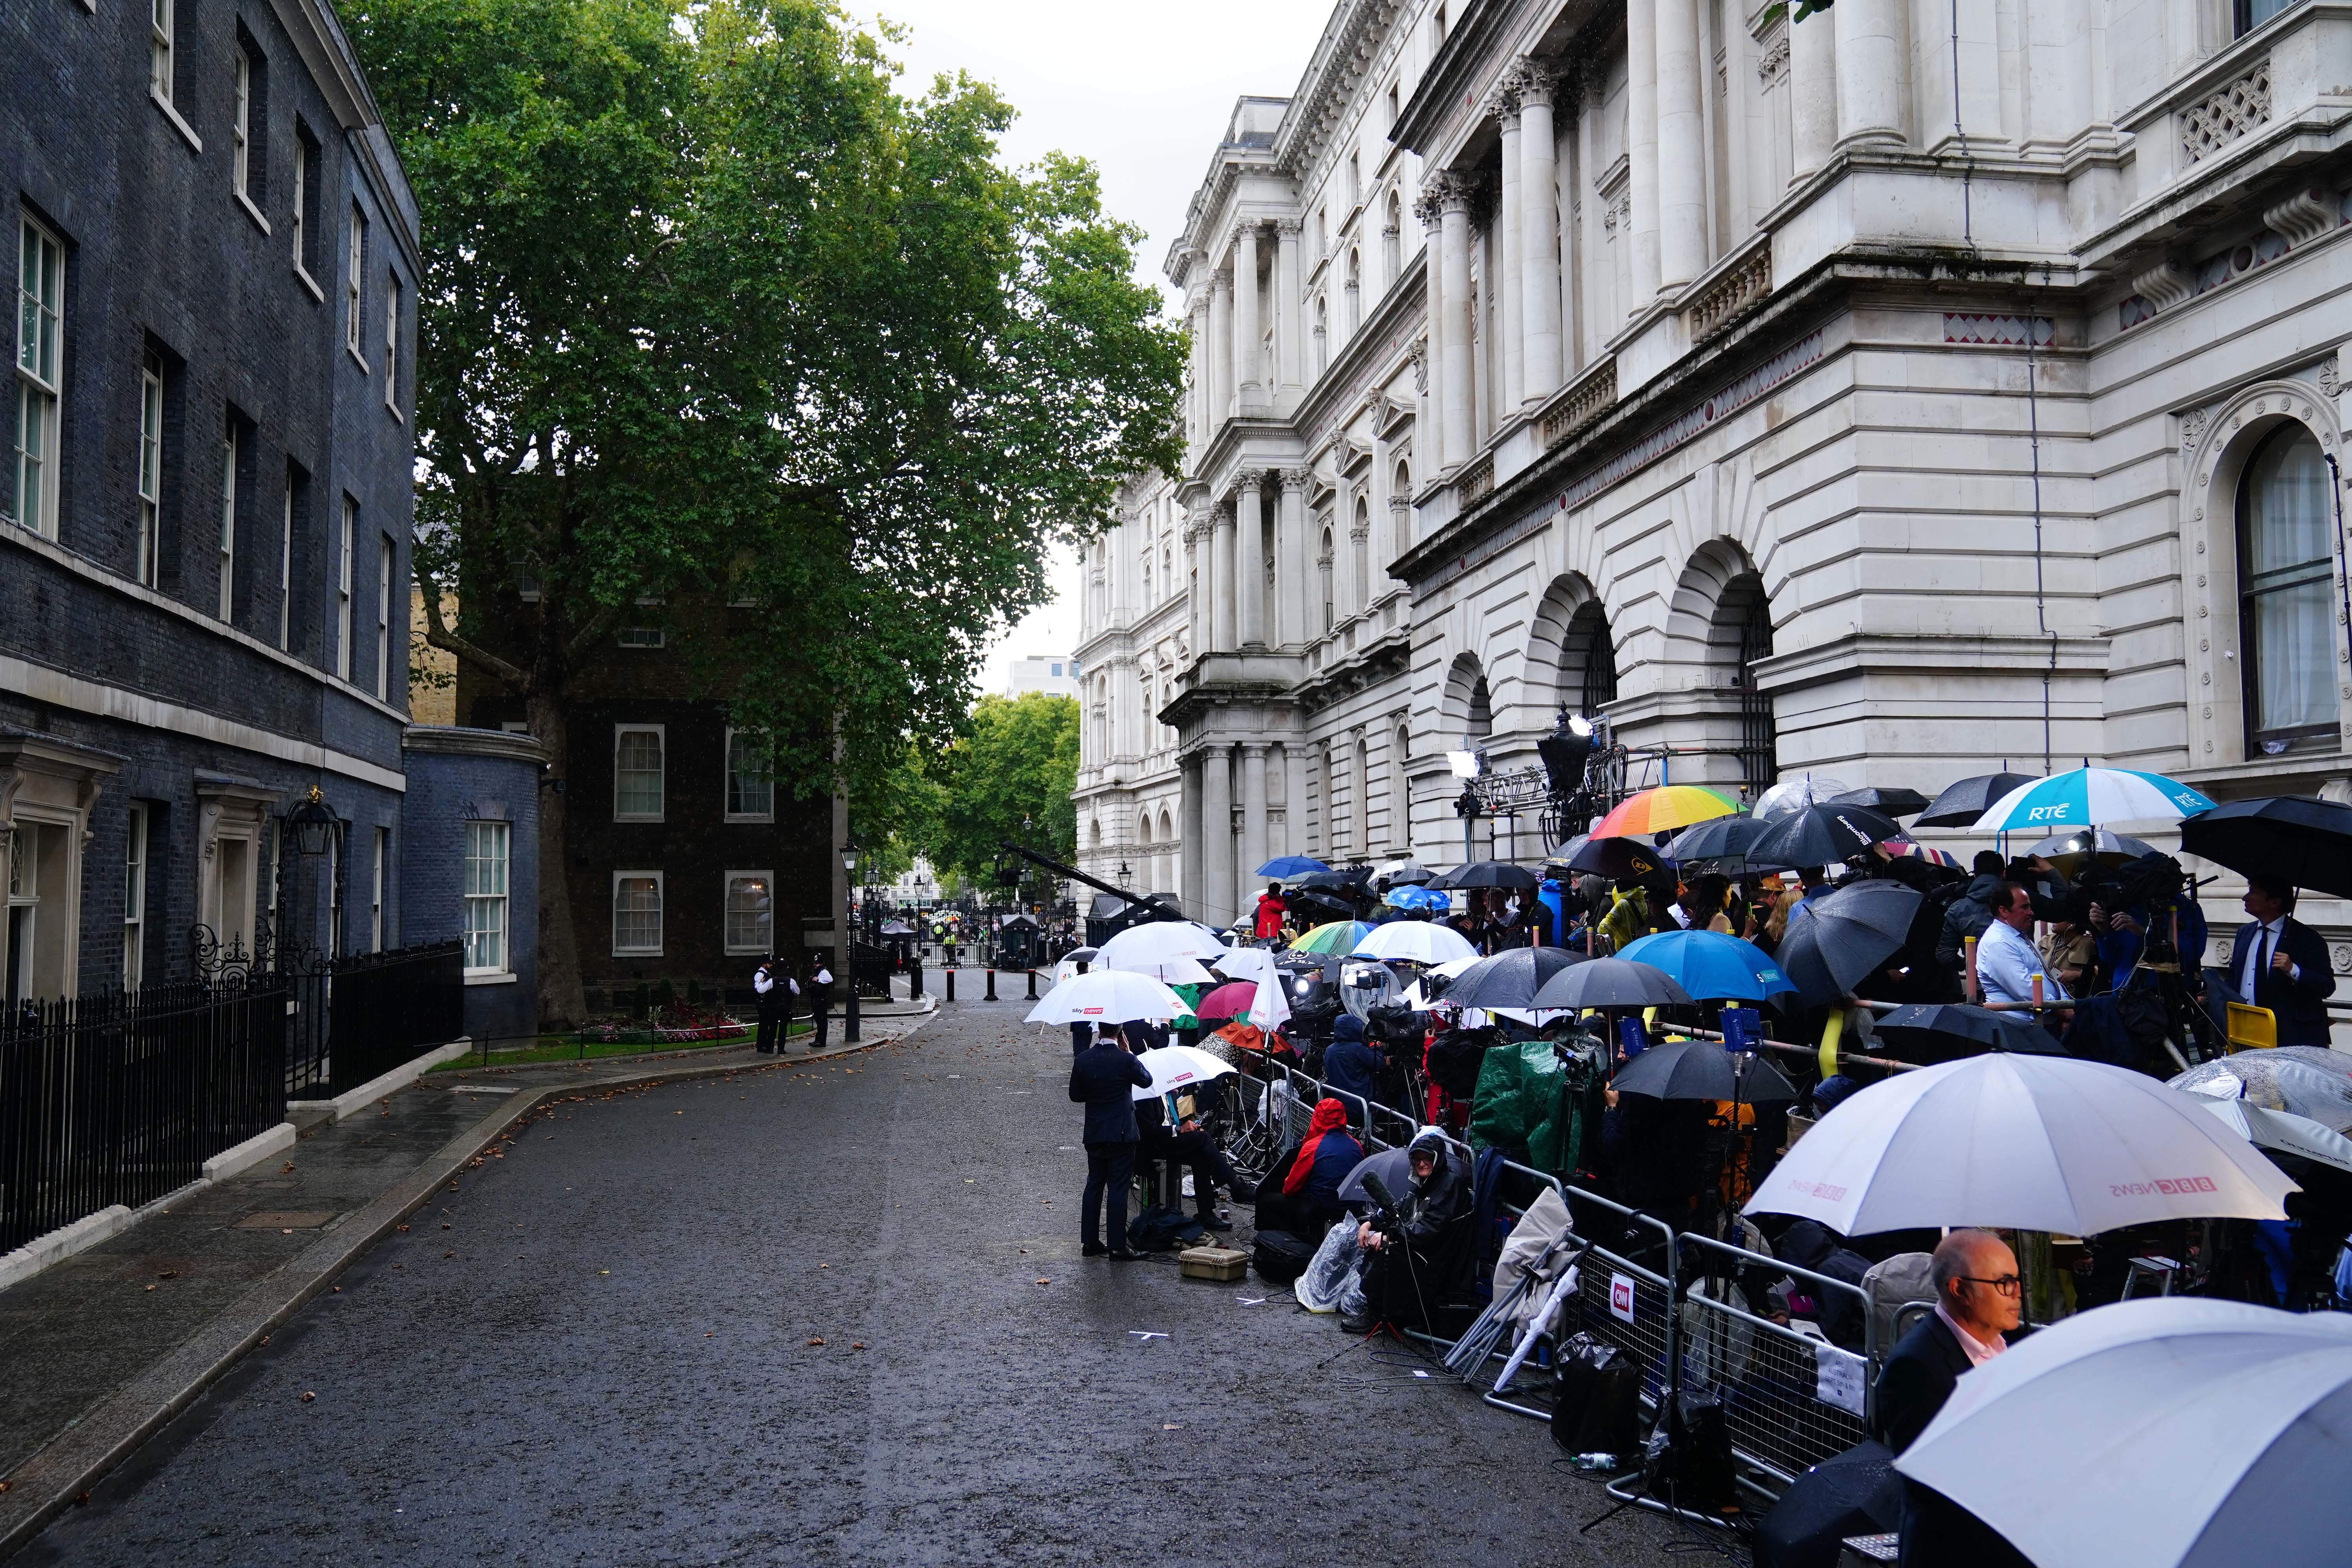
1417 898
1291 866
1711 964
2091 797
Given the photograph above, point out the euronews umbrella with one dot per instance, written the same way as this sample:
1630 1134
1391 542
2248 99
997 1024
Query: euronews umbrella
1711 964
1833 940
2085 797
1822 835
2293 841
1333 939
1964 800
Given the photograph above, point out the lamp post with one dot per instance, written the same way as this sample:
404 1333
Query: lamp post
306 832
849 949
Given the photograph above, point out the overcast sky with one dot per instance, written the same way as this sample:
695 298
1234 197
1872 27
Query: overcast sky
1144 92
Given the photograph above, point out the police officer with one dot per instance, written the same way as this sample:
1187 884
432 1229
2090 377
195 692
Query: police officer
820 998
773 987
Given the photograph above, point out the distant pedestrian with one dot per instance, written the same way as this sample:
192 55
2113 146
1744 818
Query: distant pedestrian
820 997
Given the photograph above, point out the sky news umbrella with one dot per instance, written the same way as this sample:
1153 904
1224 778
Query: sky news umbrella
2020 1143
1934 1032
1413 898
1289 866
1663 809
1712 966
1332 939
1488 874
1702 1070
1231 1000
2084 797
1964 800
2174 1432
1509 979
1822 835
2309 1080
2283 1130
1414 942
2284 839
1895 802
1108 996
1613 857
1833 940
1718 838
1610 982
1178 1066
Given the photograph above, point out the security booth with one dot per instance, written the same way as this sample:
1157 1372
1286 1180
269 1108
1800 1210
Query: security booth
1020 943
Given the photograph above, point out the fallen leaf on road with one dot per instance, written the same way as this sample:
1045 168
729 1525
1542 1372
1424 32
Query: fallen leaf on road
1044 1281
286 1167
449 1255
444 1225
168 1274
404 1227
1171 1425
308 1396
602 1270
151 1287
816 1341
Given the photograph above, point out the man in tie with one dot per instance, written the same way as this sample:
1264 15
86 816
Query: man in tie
2280 964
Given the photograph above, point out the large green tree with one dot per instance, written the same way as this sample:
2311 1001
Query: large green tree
1010 778
713 312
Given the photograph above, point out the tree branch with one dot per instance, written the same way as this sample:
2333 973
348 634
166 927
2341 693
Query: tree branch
438 635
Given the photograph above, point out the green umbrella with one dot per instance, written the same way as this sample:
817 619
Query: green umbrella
1335 939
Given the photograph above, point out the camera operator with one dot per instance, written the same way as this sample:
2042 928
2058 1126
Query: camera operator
1352 1067
1404 1247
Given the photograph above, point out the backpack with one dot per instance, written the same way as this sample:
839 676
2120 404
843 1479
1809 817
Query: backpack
1281 1258
1597 1407
1161 1228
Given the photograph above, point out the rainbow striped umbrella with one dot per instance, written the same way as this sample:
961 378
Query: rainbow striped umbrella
1899 847
1663 809
1335 939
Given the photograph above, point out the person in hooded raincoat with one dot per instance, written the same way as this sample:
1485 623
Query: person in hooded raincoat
1301 1195
1411 1256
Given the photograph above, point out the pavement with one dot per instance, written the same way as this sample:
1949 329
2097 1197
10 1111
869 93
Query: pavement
828 1313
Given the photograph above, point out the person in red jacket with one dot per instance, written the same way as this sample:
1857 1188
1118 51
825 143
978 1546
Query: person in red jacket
1267 926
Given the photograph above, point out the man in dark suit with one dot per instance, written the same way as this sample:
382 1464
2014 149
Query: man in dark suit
1103 1079
1979 1297
2280 964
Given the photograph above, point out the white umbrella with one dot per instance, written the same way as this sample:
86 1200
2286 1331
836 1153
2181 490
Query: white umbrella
2167 1433
2086 797
1107 996
1248 964
2283 1130
2029 1143
1174 1066
1414 942
1173 950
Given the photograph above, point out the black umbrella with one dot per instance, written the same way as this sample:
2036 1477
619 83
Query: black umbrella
1610 982
1394 1168
1331 879
1961 804
1316 897
1897 802
1701 1070
1408 872
2283 841
1718 838
1939 1032
1616 857
1833 940
1510 978
1853 1493
1822 835
1488 874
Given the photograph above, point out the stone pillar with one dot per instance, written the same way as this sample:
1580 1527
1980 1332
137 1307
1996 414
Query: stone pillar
1294 799
1248 336
1216 836
1454 382
1682 170
1400 534
1287 308
1291 553
1430 456
1221 352
1873 65
1540 245
1196 582
1642 148
1360 565
1508 346
1249 558
1255 852
1222 599
1813 94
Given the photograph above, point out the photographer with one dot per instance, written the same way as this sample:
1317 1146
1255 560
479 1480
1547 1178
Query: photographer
1406 1249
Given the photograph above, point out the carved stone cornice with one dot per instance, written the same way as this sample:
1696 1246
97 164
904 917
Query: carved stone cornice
1288 227
1532 81
1252 479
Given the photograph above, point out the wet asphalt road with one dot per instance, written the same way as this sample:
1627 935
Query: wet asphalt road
605 1358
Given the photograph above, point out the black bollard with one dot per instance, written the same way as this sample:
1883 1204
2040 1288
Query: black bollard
950 984
991 983
1033 986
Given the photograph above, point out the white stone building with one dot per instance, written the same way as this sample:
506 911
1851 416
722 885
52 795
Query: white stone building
1038 672
1894 393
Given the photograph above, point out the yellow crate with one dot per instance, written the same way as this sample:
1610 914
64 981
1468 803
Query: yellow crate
1220 1263
2251 1028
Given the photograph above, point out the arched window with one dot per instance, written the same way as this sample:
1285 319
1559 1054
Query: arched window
1323 568
2286 637
1589 661
1355 290
1322 334
1744 613
1168 567
1362 782
1402 490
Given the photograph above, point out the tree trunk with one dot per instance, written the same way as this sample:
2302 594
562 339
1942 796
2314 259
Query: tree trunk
561 1004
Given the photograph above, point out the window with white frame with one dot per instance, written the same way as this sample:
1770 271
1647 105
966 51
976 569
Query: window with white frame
285 566
751 917
159 48
134 900
151 466
751 778
636 914
31 494
376 893
305 200
355 258
487 847
335 892
637 772
240 146
392 342
383 619
227 604
344 589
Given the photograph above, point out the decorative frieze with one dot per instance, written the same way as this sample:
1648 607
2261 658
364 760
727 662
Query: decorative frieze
2209 126
2001 331
1476 483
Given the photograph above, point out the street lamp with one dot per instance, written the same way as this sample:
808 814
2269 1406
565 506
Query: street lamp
849 947
312 824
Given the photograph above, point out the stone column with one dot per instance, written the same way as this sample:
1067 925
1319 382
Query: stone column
1510 346
1287 308
1430 454
1872 63
1813 94
1248 367
1400 534
1294 799
1454 382
1189 851
1249 558
1196 582
1642 148
1255 852
1223 599
1217 835
1682 171
1538 235
1291 567
1221 352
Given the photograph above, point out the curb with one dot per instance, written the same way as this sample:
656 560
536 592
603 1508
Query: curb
75 1460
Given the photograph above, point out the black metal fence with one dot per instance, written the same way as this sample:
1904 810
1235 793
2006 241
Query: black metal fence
121 1097
869 970
354 1019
